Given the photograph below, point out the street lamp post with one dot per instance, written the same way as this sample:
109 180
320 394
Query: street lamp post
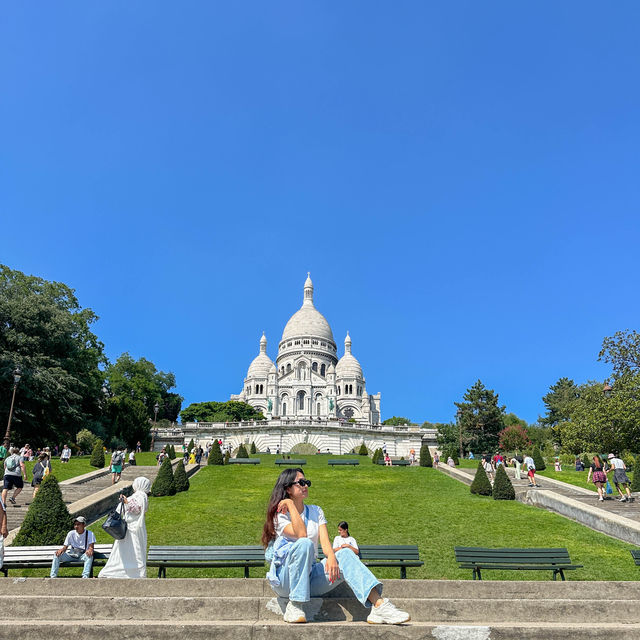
156 406
17 374
458 416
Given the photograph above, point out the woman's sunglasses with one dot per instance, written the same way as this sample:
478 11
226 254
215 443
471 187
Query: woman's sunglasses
302 483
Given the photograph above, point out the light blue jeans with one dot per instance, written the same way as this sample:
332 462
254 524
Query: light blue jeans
302 578
65 557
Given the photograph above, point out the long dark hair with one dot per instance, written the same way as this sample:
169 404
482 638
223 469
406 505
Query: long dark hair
344 525
279 493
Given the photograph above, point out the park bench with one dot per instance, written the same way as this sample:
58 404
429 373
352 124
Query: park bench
41 557
296 463
396 463
635 553
204 557
341 462
384 555
244 461
480 558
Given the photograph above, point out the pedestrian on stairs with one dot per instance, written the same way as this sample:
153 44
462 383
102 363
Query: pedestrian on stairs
117 460
620 476
599 474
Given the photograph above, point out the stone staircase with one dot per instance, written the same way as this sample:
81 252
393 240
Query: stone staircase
236 608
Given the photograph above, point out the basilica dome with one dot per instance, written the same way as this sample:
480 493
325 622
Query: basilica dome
308 321
348 366
261 364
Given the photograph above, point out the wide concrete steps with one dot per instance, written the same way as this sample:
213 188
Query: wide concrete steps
236 608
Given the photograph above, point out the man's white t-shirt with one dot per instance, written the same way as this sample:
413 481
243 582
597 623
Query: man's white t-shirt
616 463
77 541
313 517
528 461
338 541
66 453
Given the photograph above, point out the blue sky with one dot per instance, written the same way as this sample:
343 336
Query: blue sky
460 178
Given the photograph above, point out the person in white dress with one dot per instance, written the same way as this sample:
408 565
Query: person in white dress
128 557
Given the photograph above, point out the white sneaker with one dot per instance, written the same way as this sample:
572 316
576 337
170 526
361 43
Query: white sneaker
387 613
294 613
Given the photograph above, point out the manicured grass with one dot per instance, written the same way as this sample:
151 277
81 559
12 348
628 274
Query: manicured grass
76 466
410 505
570 476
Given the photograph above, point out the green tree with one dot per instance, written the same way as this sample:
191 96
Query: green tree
191 445
514 438
396 421
253 448
425 456
46 332
180 478
635 480
231 411
242 452
215 455
363 451
449 436
140 380
481 485
85 440
622 352
538 459
227 457
171 452
47 521
164 484
558 402
97 455
377 454
481 417
128 422
502 487
512 419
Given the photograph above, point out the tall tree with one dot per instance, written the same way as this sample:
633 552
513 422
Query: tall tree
622 351
396 421
45 331
481 417
558 402
231 411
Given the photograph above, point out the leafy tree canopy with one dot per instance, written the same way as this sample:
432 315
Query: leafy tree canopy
514 438
622 351
396 421
231 411
558 402
44 330
511 419
481 417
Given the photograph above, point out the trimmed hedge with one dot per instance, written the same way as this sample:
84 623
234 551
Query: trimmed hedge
180 479
48 520
425 456
502 487
481 485
635 479
191 445
242 452
97 455
253 448
538 460
363 450
215 455
164 484
377 455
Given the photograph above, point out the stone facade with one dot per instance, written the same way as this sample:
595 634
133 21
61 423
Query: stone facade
307 379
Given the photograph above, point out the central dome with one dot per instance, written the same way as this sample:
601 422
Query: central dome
308 321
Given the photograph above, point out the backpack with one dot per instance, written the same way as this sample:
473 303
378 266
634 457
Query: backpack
12 462
116 458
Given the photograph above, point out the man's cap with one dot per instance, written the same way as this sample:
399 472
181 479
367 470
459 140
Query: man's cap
80 519
610 456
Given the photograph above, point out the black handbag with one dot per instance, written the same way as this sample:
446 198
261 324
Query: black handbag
115 524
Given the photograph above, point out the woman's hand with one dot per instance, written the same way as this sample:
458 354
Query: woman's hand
332 569
285 506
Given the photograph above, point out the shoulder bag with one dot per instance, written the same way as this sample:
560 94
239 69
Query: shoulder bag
115 524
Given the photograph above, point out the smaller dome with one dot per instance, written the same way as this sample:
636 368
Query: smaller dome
261 364
348 366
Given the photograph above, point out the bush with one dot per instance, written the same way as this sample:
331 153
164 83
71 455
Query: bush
227 457
253 448
171 452
180 479
451 452
425 456
215 455
164 484
86 440
538 460
48 520
481 485
191 445
242 452
97 455
363 451
635 480
502 487
377 455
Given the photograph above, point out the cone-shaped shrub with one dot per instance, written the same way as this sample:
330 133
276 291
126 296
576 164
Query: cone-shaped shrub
191 445
253 448
48 520
215 455
377 454
363 450
502 487
481 485
451 452
538 459
180 479
635 478
425 456
171 452
227 457
164 484
97 455
242 452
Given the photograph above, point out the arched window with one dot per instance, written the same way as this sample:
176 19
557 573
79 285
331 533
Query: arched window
318 409
301 395
314 366
284 408
323 368
338 390
288 367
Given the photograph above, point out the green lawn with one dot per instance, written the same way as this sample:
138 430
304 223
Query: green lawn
383 505
568 475
76 466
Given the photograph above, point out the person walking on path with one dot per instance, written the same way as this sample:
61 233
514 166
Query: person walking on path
518 466
531 471
14 473
78 545
128 557
117 460
40 470
599 474
436 460
290 535
487 465
620 476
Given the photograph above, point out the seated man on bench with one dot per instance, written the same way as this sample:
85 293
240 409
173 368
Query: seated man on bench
78 546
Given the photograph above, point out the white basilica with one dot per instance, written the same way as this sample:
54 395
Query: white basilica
308 380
